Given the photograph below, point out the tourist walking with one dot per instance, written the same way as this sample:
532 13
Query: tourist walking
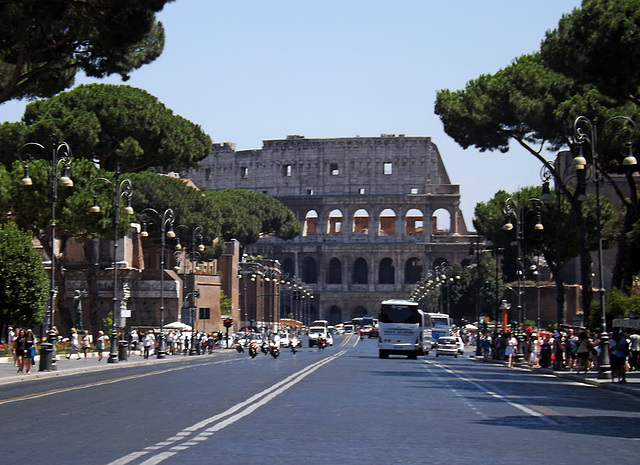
75 344
148 343
101 343
86 344
30 350
619 349
634 356
11 337
19 349
511 350
583 352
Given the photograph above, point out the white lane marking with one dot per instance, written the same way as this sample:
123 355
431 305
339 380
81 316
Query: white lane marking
103 383
249 405
495 395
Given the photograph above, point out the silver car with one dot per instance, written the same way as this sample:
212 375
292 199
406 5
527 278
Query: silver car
447 345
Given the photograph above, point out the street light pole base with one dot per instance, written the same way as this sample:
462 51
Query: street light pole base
46 357
604 367
161 352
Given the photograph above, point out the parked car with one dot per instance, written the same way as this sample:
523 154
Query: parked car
447 345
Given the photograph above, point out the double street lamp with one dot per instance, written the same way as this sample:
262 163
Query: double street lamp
123 189
166 220
514 208
586 131
61 158
194 252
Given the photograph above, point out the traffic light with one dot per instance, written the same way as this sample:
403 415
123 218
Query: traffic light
228 322
514 326
484 326
196 293
487 285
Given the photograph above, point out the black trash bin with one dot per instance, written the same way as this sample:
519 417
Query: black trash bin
123 350
545 356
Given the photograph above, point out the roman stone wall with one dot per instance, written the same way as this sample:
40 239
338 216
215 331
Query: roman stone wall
367 206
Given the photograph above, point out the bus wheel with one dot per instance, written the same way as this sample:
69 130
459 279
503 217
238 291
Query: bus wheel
413 355
383 354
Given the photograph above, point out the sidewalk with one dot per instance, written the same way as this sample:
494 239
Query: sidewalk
64 367
632 386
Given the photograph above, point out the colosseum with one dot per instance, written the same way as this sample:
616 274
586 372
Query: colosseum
375 212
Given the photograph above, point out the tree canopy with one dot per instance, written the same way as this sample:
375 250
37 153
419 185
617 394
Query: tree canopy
253 215
124 128
536 101
23 280
599 44
43 44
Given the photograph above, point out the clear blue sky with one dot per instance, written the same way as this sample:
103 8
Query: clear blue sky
248 71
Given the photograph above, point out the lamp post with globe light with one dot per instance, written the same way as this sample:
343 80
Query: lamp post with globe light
123 189
585 131
166 220
61 158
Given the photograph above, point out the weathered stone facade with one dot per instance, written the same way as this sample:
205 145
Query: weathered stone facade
368 206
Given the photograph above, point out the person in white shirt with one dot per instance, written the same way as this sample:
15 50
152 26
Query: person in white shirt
11 337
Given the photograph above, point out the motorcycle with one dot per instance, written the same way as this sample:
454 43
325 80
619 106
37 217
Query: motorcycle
264 348
322 343
274 350
294 344
239 347
253 349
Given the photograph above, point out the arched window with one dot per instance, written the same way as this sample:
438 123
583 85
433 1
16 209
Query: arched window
441 222
334 228
387 223
335 271
412 271
414 222
359 311
360 272
440 261
310 227
361 222
335 315
288 267
386 274
309 270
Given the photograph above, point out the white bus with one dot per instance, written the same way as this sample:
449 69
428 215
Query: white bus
404 329
441 326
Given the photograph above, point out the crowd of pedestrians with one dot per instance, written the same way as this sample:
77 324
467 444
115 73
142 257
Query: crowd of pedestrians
569 350
24 348
176 342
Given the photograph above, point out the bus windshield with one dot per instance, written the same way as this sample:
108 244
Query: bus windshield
439 321
399 314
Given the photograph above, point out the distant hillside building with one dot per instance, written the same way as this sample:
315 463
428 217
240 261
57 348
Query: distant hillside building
368 207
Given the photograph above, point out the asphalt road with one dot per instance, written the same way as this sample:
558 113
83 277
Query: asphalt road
338 405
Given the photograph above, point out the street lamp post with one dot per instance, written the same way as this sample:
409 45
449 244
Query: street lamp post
517 209
166 219
124 189
586 131
194 252
61 157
